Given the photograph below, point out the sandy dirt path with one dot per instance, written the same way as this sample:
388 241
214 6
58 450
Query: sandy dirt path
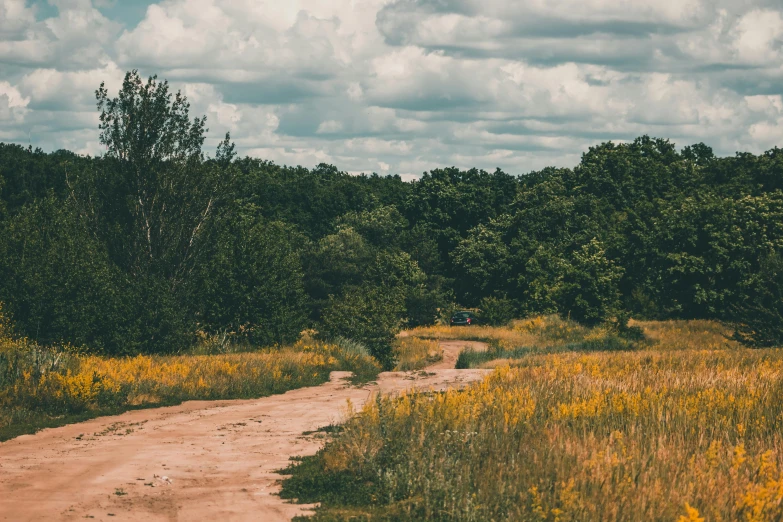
201 460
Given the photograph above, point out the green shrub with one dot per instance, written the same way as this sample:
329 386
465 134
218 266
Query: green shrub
368 314
759 317
496 311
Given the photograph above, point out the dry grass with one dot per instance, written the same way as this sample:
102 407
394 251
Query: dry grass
413 353
688 335
543 331
688 429
552 334
42 386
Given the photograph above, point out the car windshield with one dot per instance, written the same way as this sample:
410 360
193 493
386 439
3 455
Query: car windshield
462 315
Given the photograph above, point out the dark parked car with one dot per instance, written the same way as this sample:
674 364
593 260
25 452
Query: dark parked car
464 319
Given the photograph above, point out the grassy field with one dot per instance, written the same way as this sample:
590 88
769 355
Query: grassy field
682 426
414 353
46 386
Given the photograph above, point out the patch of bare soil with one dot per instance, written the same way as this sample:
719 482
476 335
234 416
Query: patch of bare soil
201 460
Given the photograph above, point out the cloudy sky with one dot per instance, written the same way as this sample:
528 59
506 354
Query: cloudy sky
403 86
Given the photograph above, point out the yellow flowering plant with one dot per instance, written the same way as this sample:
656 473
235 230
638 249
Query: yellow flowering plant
688 428
42 386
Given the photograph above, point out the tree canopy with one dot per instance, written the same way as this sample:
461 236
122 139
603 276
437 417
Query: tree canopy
142 248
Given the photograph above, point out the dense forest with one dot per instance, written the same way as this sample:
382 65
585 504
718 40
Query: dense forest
156 242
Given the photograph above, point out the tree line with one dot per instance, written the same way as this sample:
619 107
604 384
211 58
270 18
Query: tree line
142 248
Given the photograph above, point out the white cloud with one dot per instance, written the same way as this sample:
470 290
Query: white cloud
262 39
53 89
758 38
14 98
401 86
13 109
78 37
329 127
15 17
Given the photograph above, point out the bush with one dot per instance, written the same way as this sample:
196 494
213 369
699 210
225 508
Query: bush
496 311
350 346
582 285
371 315
422 304
5 325
759 317
252 283
620 325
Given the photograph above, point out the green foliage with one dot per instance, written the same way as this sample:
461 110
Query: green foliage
582 286
251 282
2 183
335 261
481 260
27 175
369 314
624 329
497 311
364 292
161 195
141 249
381 227
313 199
442 206
710 247
311 483
423 302
588 291
760 316
110 261
59 283
6 327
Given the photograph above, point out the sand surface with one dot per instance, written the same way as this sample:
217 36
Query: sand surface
201 460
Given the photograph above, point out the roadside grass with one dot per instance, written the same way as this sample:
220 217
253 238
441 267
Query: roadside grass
553 334
601 340
520 338
687 426
538 332
51 386
414 353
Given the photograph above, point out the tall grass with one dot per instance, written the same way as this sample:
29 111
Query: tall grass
553 334
542 331
688 335
42 386
537 335
412 353
690 428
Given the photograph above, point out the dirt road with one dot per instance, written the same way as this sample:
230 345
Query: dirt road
200 460
451 351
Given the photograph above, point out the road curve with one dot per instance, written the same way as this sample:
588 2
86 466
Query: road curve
201 460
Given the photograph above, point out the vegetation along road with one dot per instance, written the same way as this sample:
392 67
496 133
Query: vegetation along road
201 460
